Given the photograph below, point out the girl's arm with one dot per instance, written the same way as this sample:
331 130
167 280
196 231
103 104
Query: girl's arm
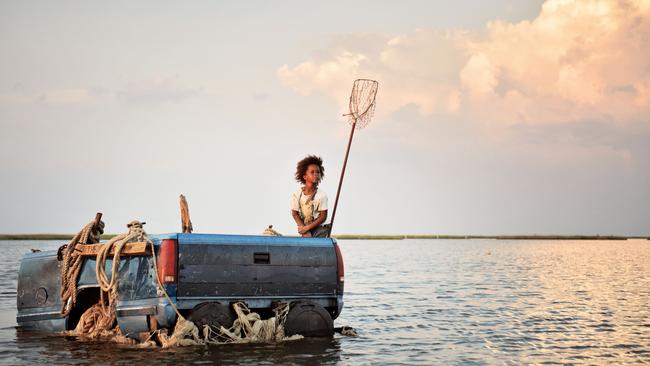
298 220
322 216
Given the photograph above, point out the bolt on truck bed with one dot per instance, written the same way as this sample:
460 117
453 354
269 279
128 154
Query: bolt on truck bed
195 269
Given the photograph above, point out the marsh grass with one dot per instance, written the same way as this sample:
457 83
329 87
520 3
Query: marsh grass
65 237
496 237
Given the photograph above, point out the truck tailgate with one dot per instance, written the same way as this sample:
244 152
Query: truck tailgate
237 266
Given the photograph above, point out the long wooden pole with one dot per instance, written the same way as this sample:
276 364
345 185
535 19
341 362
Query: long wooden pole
338 191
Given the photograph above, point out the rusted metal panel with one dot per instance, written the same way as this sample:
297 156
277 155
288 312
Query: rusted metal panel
39 282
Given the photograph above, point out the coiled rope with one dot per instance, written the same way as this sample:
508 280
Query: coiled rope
100 319
72 261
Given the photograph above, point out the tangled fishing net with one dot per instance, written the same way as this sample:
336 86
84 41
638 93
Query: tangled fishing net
247 328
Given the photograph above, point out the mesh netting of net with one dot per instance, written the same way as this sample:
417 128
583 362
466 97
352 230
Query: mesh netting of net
362 102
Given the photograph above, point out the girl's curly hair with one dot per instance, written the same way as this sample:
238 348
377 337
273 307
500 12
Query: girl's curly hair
301 167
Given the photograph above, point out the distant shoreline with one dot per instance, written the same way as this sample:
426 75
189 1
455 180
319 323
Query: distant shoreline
67 237
496 237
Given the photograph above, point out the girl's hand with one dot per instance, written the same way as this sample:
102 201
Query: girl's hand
302 229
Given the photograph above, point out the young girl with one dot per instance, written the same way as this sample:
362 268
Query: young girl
308 204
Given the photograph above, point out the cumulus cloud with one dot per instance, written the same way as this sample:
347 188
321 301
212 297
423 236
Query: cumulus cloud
577 60
331 76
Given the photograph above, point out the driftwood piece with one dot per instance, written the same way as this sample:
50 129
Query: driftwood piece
98 219
186 224
136 248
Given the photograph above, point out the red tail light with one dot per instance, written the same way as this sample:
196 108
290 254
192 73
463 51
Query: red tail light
340 271
167 261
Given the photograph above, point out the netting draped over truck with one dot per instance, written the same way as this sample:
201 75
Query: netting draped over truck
247 328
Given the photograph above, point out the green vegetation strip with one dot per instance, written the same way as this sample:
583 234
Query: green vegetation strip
497 237
65 237
369 237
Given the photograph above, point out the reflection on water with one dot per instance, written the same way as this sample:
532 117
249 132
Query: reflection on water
424 302
36 348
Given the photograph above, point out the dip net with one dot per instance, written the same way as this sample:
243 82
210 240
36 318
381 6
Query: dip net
362 102
362 108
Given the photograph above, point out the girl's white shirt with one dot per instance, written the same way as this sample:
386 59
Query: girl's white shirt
319 203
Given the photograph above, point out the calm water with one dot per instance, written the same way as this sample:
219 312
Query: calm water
426 302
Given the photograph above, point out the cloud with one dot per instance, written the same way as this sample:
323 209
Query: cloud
577 60
331 76
145 91
67 96
157 90
64 96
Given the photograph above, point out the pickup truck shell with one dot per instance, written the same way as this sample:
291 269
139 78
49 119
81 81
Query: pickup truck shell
256 270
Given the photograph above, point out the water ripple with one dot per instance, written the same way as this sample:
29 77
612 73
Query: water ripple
426 302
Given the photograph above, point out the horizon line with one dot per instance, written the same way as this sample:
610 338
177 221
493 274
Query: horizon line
50 236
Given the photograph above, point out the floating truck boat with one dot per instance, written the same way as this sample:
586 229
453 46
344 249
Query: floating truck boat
204 274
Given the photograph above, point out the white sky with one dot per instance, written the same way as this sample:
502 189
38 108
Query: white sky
493 117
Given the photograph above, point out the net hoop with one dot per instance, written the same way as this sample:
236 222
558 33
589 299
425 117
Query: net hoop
362 102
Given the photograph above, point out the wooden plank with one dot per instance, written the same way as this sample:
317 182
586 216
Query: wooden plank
135 248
